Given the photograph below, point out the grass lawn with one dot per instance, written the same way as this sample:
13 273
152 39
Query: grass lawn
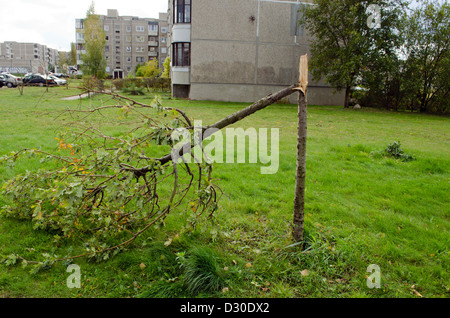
361 209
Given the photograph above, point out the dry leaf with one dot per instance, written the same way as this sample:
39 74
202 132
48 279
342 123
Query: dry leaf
304 272
142 266
248 265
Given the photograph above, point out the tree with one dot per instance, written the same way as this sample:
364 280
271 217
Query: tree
346 35
94 62
381 72
426 33
166 72
63 62
103 188
73 55
149 69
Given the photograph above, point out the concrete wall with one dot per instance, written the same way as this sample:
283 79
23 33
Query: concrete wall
243 50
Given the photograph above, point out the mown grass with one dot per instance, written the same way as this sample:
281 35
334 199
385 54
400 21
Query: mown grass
362 208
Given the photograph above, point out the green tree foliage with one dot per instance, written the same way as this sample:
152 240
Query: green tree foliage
149 69
93 61
426 74
166 72
63 62
345 39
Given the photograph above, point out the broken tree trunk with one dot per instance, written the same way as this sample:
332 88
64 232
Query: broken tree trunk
259 105
299 199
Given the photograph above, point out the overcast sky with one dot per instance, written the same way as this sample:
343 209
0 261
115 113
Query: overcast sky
52 22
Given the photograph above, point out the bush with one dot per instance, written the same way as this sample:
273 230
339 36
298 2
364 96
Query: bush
395 151
91 83
133 90
158 84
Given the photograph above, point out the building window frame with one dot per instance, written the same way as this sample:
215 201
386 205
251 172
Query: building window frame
182 54
182 11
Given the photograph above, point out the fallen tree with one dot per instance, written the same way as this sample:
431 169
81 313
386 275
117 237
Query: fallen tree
117 185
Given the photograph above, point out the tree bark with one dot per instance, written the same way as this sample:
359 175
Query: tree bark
299 200
347 94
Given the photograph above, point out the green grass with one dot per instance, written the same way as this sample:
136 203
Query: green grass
362 208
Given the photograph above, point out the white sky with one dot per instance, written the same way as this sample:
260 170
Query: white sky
52 22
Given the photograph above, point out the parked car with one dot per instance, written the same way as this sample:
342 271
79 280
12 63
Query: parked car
58 81
9 80
2 81
73 70
61 75
38 79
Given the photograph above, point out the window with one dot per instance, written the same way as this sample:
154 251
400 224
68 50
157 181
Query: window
139 38
181 54
139 49
128 28
106 48
128 48
163 40
128 59
79 23
182 11
106 28
152 27
163 50
140 28
128 38
139 59
163 30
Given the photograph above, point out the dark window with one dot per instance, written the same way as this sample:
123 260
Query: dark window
182 54
182 11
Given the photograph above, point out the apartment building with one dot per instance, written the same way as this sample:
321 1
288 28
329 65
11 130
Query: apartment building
130 41
22 58
239 50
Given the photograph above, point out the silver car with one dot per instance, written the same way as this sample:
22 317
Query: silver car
10 80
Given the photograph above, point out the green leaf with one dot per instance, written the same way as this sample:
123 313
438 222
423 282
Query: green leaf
102 154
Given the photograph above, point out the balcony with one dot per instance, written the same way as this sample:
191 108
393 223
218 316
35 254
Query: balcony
153 43
181 33
152 54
